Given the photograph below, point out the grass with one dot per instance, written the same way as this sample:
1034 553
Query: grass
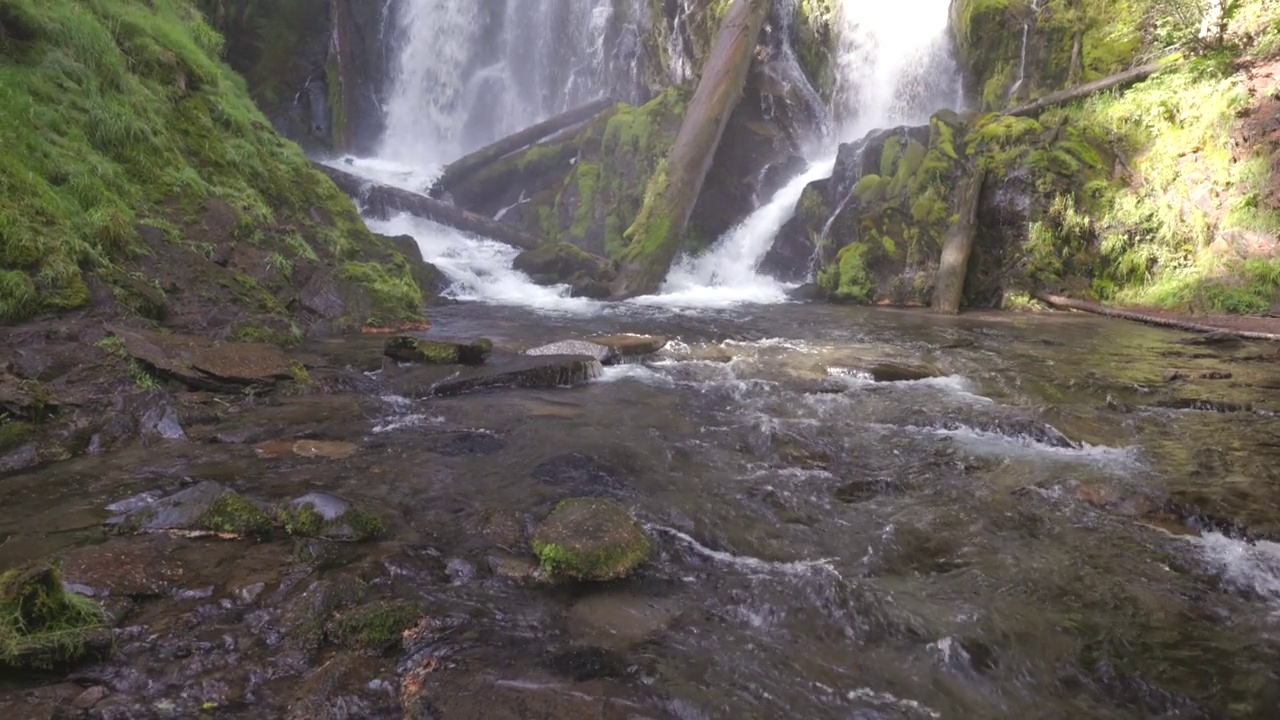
115 112
41 624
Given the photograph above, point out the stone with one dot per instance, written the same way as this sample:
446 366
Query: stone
896 372
582 474
204 364
586 275
539 372
630 346
204 509
603 353
329 517
130 567
590 539
407 348
90 697
618 620
329 449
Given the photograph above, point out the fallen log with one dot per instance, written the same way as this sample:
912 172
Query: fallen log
1118 81
957 247
466 166
1067 303
382 200
657 233
522 168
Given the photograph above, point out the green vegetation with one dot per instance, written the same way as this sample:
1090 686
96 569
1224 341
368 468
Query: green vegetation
41 624
235 515
115 113
590 539
375 627
306 522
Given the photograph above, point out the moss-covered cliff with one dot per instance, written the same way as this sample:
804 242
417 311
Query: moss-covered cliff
137 174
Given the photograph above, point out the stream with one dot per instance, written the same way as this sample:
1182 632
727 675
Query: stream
857 512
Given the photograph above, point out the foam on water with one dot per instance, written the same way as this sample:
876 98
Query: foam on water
994 443
748 563
1253 567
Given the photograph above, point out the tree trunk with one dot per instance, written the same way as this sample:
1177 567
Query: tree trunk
522 168
957 247
655 236
1111 82
383 200
461 169
1077 58
1096 309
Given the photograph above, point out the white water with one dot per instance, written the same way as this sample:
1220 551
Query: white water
472 71
894 67
1026 35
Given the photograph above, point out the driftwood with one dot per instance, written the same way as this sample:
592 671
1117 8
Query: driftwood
656 235
957 246
383 200
520 169
459 170
1090 307
1111 82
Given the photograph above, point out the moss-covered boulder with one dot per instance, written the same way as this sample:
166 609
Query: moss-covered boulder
207 508
375 627
321 515
42 625
407 348
561 263
590 539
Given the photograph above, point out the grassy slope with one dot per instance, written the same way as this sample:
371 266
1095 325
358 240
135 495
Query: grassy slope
118 112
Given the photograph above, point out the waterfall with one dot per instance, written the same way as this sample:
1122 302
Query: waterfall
472 71
1026 36
894 67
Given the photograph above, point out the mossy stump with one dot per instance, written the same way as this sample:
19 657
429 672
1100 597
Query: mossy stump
407 348
590 539
42 625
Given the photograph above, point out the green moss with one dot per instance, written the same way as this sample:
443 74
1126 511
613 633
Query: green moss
590 539
41 624
848 278
392 293
15 434
870 188
374 627
235 515
301 521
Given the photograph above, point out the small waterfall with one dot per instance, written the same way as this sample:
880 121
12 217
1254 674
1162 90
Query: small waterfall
894 67
1026 36
472 71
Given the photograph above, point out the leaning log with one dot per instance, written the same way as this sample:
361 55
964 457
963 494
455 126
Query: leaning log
521 169
464 167
957 246
1119 81
655 236
1067 303
381 201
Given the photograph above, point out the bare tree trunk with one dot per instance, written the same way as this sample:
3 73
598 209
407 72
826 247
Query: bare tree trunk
1111 82
382 200
656 235
958 246
459 170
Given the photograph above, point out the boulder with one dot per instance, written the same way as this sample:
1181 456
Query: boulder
561 263
204 364
590 539
630 346
407 348
328 516
603 353
543 372
204 509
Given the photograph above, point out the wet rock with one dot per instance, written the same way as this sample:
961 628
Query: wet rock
586 275
90 697
505 529
582 475
603 353
339 690
459 444
460 571
204 509
588 663
321 515
858 491
131 567
374 627
520 568
203 364
248 594
617 620
630 346
590 539
541 372
896 372
161 420
42 625
1013 427
407 348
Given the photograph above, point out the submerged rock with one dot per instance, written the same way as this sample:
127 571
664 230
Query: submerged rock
583 474
547 371
895 372
204 364
328 516
330 449
42 625
374 627
407 348
590 539
629 346
603 353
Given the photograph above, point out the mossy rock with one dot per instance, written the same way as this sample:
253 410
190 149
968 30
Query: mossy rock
235 515
320 515
375 627
587 275
44 626
590 539
407 348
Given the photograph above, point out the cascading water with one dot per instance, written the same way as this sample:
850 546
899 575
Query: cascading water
1026 36
473 71
894 67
